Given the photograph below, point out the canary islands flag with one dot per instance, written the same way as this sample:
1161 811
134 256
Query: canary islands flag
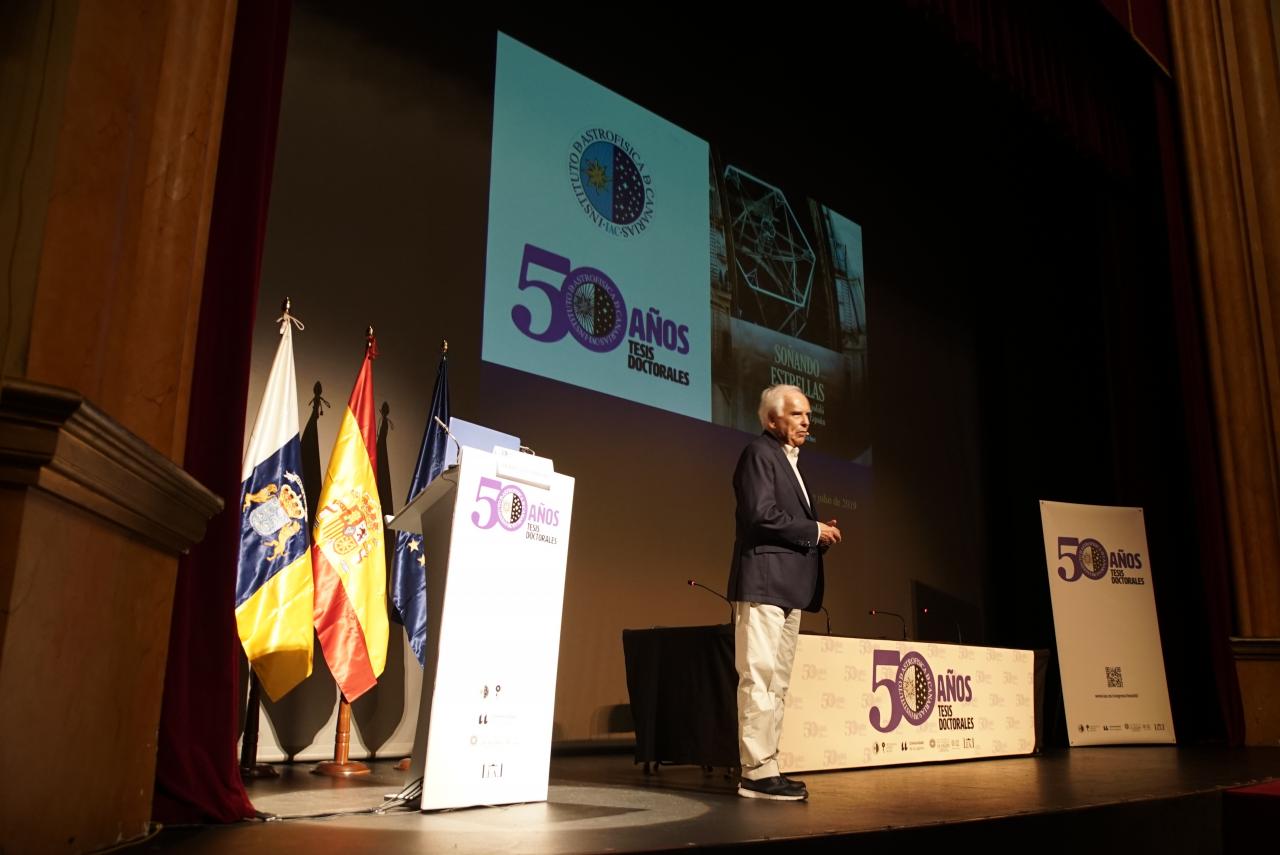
348 553
273 582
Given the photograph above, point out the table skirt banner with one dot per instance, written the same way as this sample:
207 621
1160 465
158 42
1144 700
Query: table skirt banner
861 702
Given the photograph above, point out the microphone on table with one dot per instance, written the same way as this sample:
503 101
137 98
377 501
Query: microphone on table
874 612
956 623
694 583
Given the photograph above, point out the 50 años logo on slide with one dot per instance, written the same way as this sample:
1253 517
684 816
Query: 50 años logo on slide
588 306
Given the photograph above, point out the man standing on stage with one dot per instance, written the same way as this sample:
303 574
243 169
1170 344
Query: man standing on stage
776 573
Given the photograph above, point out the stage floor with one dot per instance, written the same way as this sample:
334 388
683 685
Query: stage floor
1109 799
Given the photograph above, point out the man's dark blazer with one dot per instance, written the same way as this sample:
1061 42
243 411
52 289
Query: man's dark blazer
776 556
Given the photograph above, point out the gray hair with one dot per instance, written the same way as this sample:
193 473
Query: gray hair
771 401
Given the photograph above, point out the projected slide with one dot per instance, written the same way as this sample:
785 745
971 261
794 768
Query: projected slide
596 271
788 306
602 220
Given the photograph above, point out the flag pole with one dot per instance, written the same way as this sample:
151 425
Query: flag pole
409 569
270 629
341 766
250 768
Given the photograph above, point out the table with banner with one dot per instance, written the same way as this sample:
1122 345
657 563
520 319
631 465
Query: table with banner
853 702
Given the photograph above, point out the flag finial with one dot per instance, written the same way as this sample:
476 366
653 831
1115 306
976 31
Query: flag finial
444 346
286 317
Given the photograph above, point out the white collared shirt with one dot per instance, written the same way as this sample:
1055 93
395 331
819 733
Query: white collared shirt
793 457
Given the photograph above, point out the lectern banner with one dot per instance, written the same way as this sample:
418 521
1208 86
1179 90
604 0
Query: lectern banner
1104 615
489 739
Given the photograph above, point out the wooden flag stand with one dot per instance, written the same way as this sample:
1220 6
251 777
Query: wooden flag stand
250 768
340 766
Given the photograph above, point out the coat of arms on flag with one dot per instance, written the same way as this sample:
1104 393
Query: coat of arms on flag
276 517
348 528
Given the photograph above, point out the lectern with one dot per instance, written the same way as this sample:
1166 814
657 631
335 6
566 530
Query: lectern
494 542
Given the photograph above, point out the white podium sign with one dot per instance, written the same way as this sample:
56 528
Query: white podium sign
496 538
1104 616
860 702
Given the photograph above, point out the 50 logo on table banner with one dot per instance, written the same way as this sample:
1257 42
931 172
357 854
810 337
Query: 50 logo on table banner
914 692
911 694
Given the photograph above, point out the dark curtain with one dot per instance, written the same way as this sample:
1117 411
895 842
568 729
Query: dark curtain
1213 555
1074 75
197 772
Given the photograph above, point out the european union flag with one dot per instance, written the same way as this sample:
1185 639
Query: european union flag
409 570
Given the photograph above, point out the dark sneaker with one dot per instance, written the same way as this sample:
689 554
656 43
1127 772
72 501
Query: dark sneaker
793 782
777 788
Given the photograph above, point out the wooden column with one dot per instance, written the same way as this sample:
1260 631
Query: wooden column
113 116
117 287
92 520
1227 69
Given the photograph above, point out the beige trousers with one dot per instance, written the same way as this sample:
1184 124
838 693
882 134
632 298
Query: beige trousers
764 649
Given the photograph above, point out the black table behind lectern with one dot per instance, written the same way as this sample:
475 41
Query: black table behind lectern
683 688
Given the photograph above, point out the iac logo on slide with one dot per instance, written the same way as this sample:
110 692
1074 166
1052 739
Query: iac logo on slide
610 182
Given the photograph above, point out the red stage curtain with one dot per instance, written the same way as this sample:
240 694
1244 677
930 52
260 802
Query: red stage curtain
197 771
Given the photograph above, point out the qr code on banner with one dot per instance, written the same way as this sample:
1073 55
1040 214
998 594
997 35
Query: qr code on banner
1115 680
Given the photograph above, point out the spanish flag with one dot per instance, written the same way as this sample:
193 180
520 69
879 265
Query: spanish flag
348 555
273 580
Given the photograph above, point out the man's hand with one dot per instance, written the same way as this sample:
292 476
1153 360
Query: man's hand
828 533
